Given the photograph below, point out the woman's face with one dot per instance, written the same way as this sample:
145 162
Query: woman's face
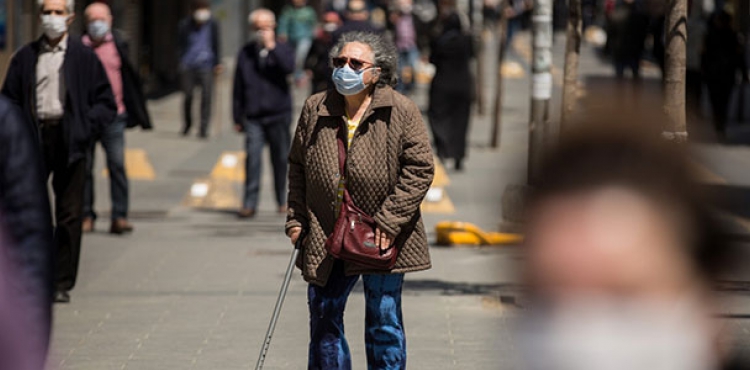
362 52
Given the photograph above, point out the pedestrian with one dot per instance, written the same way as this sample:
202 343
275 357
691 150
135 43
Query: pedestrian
297 28
198 47
389 169
64 95
112 50
628 28
723 58
623 255
405 34
451 92
262 106
318 62
26 225
356 19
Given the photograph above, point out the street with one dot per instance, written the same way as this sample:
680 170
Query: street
193 288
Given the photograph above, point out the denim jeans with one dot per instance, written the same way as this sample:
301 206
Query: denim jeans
407 59
385 339
275 131
301 49
113 142
204 78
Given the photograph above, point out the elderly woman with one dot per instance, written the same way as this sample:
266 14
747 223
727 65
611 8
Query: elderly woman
388 170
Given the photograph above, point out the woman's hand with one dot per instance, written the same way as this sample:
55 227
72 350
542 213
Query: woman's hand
382 239
294 234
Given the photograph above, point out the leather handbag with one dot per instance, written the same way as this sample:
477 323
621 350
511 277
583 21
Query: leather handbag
353 237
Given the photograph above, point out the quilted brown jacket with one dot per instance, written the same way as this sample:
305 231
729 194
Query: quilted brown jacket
389 170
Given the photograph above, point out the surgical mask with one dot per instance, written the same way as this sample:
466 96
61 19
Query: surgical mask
98 29
54 26
600 335
330 27
348 81
202 15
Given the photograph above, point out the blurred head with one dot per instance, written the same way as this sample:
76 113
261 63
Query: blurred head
405 6
621 255
368 54
299 3
357 11
331 22
98 20
56 17
262 20
201 11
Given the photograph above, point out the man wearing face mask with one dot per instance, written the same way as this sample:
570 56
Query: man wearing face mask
198 47
112 50
64 94
317 61
262 107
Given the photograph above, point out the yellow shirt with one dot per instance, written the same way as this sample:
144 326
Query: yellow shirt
351 126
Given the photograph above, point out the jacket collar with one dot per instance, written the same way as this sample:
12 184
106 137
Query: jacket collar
334 104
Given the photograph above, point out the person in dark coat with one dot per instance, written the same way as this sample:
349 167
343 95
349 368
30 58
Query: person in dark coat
25 218
112 50
198 47
451 91
356 19
317 61
628 29
723 57
262 107
64 95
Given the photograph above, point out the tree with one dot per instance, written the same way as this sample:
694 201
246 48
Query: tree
497 114
572 53
675 69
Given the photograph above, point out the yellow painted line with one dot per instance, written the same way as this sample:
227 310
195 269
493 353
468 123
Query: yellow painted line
512 70
137 165
230 166
441 179
217 194
444 206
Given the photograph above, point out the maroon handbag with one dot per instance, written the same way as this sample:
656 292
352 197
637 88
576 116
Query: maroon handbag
353 238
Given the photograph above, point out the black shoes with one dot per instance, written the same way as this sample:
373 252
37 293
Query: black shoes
62 296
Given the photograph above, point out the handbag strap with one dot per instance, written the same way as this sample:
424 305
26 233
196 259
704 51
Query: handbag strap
342 149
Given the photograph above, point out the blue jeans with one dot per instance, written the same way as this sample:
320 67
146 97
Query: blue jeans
407 59
275 131
301 49
385 340
113 141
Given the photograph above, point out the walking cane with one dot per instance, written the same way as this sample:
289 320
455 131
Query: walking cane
279 302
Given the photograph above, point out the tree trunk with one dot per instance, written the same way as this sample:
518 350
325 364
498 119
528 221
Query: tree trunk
675 69
572 53
541 88
497 116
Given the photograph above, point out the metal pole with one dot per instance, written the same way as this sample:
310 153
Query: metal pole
279 302
541 86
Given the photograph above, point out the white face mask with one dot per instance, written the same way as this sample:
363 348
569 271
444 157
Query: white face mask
602 335
202 15
54 26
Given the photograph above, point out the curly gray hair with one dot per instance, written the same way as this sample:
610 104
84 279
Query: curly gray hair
385 54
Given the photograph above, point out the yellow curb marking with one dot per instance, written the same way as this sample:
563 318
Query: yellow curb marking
137 165
210 193
230 166
512 70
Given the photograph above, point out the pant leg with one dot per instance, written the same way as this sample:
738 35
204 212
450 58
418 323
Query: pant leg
68 182
300 54
279 140
385 339
206 80
113 141
329 349
254 143
88 190
187 82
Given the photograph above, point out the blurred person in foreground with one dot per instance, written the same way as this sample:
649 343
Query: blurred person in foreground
112 50
356 19
318 62
722 62
198 45
388 170
622 253
451 92
26 225
262 107
64 95
297 28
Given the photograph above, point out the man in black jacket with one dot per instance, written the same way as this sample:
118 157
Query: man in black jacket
262 106
198 47
25 220
65 96
112 51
